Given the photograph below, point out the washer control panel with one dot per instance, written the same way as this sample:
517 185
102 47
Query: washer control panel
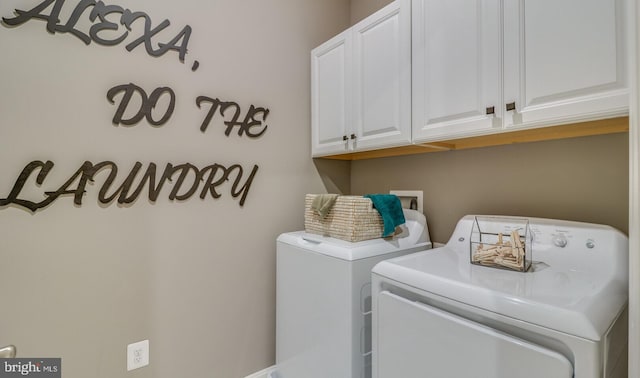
562 239
581 246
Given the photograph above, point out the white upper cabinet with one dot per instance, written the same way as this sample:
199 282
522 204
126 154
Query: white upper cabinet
331 95
530 62
564 60
421 71
456 68
382 78
361 85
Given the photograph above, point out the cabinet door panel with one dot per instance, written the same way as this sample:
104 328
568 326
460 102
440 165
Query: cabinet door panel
564 60
456 68
330 94
382 77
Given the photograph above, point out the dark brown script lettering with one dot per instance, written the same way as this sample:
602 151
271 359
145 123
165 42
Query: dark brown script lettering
105 22
188 180
245 126
148 104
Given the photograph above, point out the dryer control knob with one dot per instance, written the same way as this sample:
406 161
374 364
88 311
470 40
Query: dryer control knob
559 240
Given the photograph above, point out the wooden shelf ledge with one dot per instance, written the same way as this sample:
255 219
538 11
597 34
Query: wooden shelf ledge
599 127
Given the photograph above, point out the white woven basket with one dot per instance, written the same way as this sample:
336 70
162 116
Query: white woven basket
352 218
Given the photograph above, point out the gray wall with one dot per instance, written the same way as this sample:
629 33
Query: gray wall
582 179
195 277
362 8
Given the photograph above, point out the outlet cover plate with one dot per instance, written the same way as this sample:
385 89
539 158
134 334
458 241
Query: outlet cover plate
137 355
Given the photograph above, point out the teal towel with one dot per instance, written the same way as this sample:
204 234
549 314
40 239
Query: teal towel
390 209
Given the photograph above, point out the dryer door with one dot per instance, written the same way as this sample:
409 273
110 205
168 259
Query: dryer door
416 340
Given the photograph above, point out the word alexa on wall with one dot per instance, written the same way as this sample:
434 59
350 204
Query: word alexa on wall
111 25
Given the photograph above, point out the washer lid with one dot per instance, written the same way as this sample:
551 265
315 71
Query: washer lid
581 297
414 236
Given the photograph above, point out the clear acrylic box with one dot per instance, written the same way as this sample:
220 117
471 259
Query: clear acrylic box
501 242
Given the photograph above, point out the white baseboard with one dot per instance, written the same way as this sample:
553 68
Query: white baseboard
265 373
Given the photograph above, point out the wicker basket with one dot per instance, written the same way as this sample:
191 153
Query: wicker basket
352 218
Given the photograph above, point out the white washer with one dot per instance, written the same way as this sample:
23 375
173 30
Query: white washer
437 315
323 300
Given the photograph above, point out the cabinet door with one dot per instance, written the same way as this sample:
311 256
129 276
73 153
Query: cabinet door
456 68
564 61
331 95
382 78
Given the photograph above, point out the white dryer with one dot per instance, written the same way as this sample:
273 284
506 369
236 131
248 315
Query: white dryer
323 299
437 315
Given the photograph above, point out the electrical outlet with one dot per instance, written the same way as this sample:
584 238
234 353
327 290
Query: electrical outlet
137 355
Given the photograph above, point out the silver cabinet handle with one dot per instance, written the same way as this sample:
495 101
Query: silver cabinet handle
8 352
